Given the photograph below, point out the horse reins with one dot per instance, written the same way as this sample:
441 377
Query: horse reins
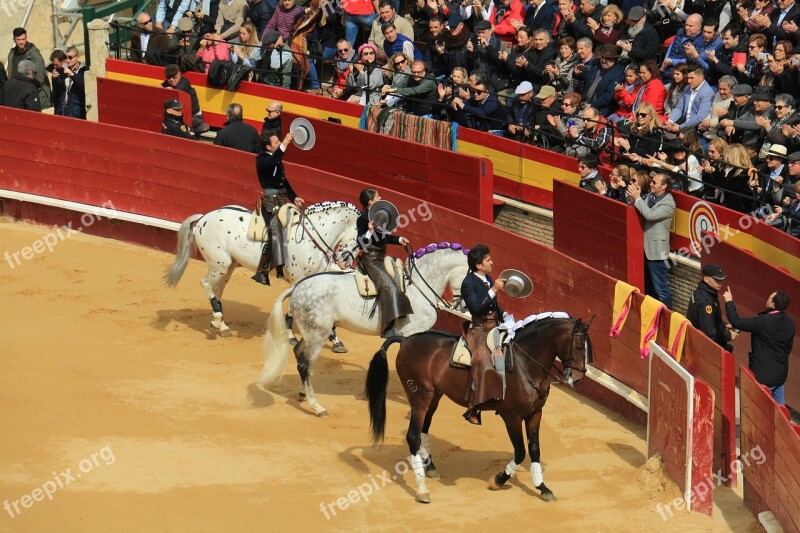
413 261
327 251
560 378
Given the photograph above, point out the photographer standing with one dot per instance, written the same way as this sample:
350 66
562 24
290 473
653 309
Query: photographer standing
772 336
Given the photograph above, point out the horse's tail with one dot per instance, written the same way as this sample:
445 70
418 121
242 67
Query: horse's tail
375 389
185 246
276 343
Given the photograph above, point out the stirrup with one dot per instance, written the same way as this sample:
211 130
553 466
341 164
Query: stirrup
473 416
261 278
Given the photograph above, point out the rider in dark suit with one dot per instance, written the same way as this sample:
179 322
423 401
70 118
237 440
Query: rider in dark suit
392 303
479 293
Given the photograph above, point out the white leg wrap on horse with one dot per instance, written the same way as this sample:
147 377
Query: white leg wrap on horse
417 465
536 474
511 468
424 447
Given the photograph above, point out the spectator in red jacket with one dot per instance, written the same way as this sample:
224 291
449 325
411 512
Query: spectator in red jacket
506 16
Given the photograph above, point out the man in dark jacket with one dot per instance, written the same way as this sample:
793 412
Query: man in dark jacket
237 134
69 87
24 50
772 335
22 89
175 80
639 41
3 79
481 112
173 120
599 88
420 93
704 312
149 44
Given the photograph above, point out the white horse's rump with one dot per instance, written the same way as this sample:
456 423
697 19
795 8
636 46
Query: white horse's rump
330 299
221 237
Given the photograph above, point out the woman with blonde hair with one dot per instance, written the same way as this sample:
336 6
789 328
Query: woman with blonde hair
710 164
248 51
610 26
641 137
619 179
733 179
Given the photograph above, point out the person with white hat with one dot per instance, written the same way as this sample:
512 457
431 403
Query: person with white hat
770 188
522 113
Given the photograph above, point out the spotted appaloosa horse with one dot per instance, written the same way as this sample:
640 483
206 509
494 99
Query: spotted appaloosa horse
221 237
330 299
423 366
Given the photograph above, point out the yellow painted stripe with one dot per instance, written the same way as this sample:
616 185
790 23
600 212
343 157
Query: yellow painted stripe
763 250
212 98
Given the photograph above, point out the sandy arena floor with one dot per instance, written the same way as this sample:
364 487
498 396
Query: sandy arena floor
119 402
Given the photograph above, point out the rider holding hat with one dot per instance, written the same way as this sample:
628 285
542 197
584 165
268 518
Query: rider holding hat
392 302
272 177
479 293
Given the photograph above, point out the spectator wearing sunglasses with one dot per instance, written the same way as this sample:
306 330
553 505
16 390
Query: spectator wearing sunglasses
149 43
781 131
420 93
345 58
69 85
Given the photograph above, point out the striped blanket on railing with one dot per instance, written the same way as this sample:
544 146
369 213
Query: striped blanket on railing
393 122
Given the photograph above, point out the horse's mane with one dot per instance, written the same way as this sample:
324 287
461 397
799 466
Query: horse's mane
324 207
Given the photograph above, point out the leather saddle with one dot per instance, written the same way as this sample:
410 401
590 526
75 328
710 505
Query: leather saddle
394 266
288 215
462 357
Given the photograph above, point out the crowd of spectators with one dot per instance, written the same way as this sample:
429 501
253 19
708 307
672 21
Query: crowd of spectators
700 89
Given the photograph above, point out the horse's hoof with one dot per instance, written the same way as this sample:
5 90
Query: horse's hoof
549 497
423 497
225 333
322 414
493 485
339 347
432 474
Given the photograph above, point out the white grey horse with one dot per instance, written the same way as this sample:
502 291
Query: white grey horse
221 237
330 299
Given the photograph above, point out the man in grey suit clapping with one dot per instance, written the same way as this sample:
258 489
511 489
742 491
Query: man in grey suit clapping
657 209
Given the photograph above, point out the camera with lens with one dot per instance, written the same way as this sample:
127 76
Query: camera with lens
60 70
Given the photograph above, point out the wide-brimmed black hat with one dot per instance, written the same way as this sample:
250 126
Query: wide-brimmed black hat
385 215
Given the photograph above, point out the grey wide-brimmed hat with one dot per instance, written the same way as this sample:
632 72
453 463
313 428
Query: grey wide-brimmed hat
304 135
518 284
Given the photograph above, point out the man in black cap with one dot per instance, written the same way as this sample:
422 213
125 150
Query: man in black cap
175 80
173 120
639 40
740 109
772 336
485 54
704 312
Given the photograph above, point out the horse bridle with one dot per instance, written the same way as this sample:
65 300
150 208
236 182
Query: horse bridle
412 260
564 378
327 251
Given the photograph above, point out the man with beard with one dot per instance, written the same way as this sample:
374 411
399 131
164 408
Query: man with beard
436 63
24 50
599 89
639 40
450 51
712 43
721 61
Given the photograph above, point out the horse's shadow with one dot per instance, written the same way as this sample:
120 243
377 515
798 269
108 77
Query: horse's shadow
339 378
246 321
452 462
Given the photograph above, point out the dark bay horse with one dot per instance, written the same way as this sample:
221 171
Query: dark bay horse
423 365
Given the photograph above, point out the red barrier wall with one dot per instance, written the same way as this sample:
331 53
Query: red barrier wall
114 99
450 179
170 178
771 477
751 281
601 232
